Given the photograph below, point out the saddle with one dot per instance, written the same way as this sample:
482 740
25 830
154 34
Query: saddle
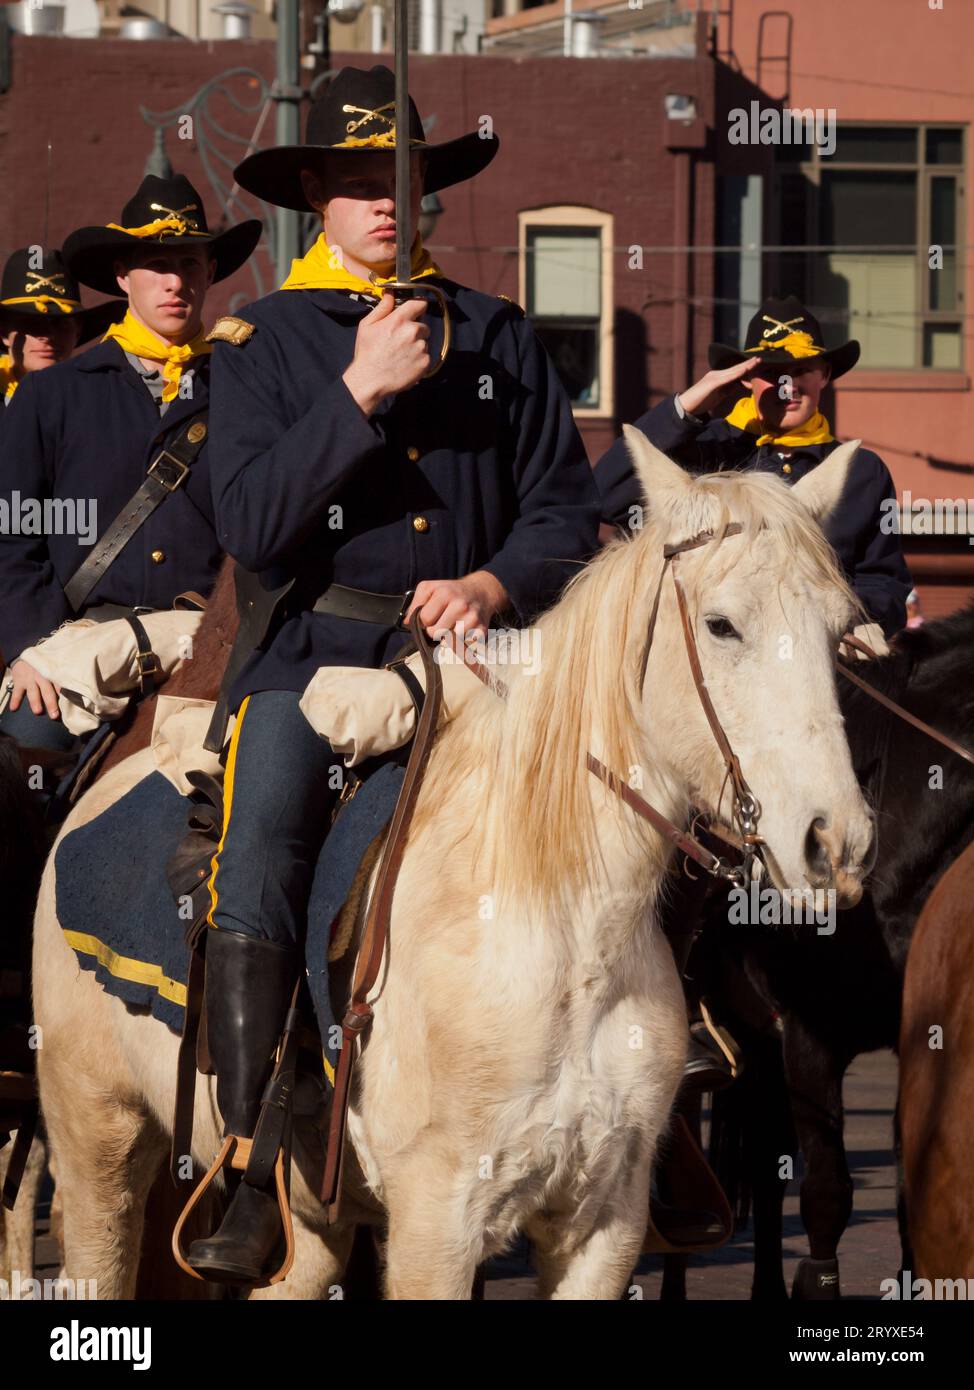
269 1152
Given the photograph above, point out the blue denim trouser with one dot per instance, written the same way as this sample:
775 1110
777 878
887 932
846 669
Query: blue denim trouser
281 785
32 730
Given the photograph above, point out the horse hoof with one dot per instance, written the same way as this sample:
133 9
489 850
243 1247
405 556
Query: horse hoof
816 1280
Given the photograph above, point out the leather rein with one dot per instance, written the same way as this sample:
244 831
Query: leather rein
893 707
746 809
358 1013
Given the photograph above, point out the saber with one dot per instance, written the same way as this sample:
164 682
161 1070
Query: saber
403 188
402 284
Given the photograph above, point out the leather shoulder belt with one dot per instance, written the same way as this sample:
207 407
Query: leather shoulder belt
167 472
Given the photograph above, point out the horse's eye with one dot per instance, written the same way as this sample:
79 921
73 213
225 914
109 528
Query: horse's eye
722 627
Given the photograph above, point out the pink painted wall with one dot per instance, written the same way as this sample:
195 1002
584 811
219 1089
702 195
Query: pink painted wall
886 60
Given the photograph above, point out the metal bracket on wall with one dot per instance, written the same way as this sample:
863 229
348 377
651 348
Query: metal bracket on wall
775 62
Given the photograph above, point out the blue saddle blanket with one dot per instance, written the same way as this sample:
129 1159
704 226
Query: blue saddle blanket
118 913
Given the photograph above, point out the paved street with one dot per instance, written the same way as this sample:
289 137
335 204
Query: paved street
870 1248
869 1251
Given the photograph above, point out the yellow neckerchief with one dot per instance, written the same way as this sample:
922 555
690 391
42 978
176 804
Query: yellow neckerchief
135 338
9 379
41 301
320 269
745 416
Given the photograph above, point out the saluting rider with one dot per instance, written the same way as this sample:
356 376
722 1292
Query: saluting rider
94 429
778 428
336 466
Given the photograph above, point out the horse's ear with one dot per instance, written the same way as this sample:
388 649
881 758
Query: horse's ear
663 481
821 489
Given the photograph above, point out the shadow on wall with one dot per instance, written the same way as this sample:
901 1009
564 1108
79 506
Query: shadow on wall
632 352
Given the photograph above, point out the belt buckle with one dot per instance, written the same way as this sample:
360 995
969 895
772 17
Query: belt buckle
166 456
148 664
407 599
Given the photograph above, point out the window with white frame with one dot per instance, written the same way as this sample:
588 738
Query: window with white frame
566 290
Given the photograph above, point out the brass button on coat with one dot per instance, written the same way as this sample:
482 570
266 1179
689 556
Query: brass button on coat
786 468
158 556
412 453
420 523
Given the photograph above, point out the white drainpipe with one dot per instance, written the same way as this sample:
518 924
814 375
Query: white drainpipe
429 26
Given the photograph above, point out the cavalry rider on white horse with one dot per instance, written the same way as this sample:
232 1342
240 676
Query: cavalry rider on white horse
777 427
336 466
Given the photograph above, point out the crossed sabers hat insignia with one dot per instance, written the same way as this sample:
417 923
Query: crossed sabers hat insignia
366 115
54 283
779 327
178 214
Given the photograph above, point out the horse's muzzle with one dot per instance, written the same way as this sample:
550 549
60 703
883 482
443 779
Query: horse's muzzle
839 857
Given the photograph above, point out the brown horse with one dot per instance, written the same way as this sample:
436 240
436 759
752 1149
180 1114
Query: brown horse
936 1103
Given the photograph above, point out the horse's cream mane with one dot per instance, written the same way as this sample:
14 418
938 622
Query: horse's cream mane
538 822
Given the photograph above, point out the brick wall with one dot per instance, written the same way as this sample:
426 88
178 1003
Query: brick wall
589 132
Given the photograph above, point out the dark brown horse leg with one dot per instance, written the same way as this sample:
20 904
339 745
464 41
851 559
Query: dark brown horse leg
815 1081
674 1286
902 1219
767 1134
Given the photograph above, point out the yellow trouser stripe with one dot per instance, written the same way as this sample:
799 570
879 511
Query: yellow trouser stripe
227 806
125 968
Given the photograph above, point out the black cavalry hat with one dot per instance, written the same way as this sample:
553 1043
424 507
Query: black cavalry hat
357 112
783 331
164 213
37 289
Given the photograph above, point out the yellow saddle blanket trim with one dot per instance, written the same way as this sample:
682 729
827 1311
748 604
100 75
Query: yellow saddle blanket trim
141 972
41 301
321 269
745 416
134 337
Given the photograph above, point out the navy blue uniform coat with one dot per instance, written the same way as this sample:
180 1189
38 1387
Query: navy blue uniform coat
872 560
484 456
89 429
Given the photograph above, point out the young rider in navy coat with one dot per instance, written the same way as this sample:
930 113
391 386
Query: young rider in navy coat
778 429
334 462
84 433
42 318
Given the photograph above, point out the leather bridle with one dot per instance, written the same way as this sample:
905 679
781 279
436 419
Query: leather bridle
746 808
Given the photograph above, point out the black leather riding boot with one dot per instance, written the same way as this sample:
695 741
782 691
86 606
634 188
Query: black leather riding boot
249 983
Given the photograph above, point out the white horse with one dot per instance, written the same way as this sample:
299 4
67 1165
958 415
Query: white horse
529 1029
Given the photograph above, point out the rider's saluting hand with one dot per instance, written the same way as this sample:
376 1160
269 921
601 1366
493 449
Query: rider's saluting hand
706 394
